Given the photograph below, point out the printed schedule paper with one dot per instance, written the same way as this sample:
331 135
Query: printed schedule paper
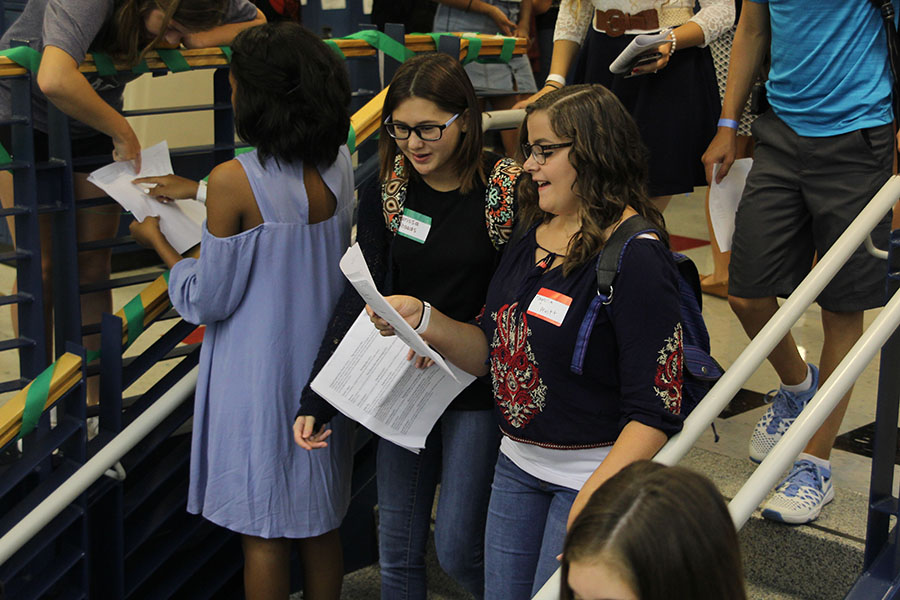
179 221
369 379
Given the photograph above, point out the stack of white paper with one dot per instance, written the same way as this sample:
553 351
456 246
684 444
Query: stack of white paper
179 221
369 379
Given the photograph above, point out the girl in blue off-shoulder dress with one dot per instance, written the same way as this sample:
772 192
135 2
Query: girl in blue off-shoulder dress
267 280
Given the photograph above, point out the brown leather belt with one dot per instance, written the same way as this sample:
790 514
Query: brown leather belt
614 22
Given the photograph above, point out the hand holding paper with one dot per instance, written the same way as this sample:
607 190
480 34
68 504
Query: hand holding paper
180 221
724 198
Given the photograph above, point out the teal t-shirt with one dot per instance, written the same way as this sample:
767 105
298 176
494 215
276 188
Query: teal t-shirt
830 72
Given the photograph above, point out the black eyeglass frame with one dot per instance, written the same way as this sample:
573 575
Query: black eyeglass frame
540 157
389 125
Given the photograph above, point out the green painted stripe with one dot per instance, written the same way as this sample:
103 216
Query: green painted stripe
383 42
134 319
351 140
35 400
333 45
24 56
104 63
174 60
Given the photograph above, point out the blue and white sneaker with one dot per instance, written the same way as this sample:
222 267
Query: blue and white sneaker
802 494
784 410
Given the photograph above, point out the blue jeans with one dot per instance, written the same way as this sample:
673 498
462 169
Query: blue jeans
526 528
460 453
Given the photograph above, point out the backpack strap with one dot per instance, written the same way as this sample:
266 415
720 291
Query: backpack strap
608 264
393 194
500 201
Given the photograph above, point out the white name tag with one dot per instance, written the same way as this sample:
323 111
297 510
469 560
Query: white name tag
550 306
414 226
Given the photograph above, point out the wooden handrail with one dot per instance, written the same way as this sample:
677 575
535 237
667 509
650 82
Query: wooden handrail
491 45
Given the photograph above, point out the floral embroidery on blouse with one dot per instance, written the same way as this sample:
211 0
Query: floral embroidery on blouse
518 389
669 374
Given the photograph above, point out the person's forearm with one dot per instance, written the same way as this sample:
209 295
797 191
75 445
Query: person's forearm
687 35
475 6
751 41
525 11
166 252
62 83
636 442
463 344
564 53
222 35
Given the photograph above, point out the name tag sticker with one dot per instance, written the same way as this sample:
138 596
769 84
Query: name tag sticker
414 226
550 306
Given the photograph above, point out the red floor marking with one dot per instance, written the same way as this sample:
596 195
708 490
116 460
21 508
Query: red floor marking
194 337
680 243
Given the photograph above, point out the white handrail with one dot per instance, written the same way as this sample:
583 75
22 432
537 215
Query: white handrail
783 454
780 324
502 119
94 469
841 380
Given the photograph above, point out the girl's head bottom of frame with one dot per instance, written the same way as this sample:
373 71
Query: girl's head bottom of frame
653 532
290 93
584 159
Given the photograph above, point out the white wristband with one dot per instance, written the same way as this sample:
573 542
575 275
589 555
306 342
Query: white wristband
556 78
201 192
426 318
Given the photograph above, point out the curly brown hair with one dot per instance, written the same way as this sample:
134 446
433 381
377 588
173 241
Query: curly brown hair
610 161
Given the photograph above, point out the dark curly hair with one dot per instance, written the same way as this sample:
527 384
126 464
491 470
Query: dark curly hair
665 531
610 161
291 94
441 79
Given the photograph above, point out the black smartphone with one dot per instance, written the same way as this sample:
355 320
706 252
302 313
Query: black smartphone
643 59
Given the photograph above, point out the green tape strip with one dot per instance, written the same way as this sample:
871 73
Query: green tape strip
174 60
35 400
24 56
506 52
333 45
226 50
92 355
474 49
166 276
134 318
5 158
105 65
383 42
351 140
141 67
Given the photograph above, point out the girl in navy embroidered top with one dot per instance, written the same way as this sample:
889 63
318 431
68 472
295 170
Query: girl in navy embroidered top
565 432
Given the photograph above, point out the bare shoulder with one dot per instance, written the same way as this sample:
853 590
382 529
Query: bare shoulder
230 204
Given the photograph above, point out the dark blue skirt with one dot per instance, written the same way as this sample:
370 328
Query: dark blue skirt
676 109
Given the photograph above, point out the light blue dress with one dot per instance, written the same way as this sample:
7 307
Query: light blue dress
266 296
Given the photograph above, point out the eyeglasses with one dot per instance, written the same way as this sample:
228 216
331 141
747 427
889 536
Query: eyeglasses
426 133
539 152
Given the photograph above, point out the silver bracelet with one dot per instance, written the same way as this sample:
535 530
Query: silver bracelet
201 192
426 318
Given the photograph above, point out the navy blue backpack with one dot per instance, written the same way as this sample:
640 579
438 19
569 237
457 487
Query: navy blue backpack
700 370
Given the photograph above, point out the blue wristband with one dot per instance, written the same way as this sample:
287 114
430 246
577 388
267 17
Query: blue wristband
731 123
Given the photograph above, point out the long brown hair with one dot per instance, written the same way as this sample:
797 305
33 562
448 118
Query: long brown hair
438 78
664 530
610 161
125 37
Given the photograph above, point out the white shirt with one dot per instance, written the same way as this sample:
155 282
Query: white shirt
714 17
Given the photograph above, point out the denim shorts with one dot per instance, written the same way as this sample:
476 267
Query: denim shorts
494 78
801 194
